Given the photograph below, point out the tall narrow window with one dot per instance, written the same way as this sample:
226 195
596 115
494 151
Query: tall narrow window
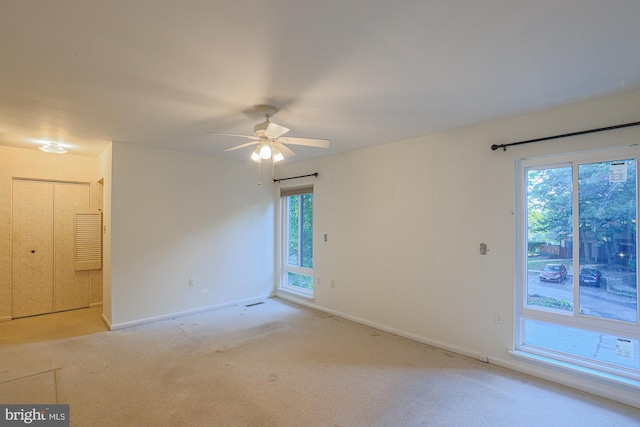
297 239
576 259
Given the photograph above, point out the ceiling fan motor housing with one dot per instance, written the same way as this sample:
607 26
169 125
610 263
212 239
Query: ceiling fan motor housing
267 111
261 128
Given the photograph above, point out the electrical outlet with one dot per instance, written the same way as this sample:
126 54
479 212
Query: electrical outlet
333 283
497 317
192 281
484 358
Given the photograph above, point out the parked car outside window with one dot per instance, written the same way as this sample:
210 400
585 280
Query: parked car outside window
553 273
591 276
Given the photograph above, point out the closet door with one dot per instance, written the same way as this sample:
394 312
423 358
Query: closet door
71 288
32 269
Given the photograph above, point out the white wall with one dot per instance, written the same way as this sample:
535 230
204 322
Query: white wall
176 216
405 221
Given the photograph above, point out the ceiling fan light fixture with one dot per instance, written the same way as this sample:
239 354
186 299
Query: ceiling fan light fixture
277 156
265 151
255 156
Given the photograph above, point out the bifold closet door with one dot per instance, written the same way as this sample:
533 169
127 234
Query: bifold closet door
44 279
71 288
32 248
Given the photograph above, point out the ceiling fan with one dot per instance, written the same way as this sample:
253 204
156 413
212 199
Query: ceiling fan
270 141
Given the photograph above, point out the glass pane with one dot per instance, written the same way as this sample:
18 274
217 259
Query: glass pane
549 238
306 237
299 280
293 210
607 218
588 345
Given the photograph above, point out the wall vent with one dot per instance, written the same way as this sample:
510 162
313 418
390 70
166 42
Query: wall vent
88 239
254 304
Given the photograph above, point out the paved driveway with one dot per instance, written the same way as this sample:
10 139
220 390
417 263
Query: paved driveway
593 301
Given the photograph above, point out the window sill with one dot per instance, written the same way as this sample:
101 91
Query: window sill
300 294
576 369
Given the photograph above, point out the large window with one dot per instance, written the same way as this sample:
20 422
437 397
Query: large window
297 240
576 258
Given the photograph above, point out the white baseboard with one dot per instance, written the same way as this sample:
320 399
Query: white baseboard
116 326
607 386
434 343
106 321
602 388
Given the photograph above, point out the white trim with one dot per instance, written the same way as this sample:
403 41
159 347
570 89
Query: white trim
282 250
116 326
286 293
62 181
598 383
106 321
595 154
435 343
568 320
550 359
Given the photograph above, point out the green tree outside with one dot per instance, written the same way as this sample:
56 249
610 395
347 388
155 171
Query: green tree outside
606 209
300 245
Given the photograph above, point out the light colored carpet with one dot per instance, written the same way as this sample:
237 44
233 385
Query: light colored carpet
273 364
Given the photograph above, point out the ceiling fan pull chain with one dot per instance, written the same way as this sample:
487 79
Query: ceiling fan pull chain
273 171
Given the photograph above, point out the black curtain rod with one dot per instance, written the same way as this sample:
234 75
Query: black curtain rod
504 146
295 177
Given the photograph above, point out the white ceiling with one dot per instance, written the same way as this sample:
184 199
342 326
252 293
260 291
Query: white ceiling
358 72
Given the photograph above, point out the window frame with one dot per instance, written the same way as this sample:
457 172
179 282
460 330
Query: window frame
284 267
574 319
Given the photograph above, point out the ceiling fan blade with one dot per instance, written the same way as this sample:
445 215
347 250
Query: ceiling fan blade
286 151
274 131
233 134
309 142
246 144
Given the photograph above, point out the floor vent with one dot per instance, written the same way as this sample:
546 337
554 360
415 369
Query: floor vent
255 303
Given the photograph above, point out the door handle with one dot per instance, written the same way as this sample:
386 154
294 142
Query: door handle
33 251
